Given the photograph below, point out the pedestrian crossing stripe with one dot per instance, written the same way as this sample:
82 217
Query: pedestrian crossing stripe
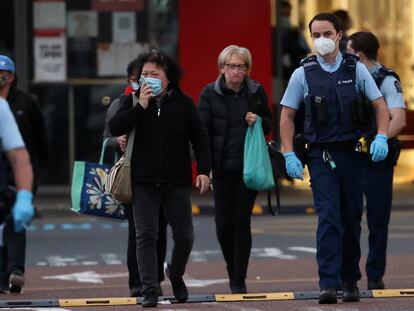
111 301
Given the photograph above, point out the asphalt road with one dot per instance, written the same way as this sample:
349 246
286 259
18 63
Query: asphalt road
70 256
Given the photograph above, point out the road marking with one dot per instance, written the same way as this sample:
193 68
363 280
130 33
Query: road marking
86 277
111 259
303 249
272 252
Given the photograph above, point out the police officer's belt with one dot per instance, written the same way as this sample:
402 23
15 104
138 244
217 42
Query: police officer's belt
347 145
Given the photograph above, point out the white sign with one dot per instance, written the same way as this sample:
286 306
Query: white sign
50 58
82 24
113 59
123 27
49 15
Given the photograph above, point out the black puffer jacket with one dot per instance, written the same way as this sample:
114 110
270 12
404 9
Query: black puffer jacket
217 107
161 152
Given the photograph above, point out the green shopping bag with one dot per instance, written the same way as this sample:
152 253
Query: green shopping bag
257 168
88 192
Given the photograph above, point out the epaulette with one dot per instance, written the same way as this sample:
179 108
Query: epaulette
309 61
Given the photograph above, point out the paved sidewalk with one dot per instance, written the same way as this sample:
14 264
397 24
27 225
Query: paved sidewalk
298 199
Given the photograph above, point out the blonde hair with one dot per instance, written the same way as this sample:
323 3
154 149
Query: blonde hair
235 49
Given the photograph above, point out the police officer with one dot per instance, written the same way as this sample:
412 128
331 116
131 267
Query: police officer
12 154
328 83
379 175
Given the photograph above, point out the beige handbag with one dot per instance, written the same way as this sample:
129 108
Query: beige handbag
119 182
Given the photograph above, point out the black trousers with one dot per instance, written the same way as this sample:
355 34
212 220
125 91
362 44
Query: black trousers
175 202
12 253
233 209
134 280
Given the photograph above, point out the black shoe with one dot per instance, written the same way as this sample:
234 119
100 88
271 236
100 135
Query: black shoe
135 292
178 286
376 284
327 296
150 300
16 281
350 293
238 286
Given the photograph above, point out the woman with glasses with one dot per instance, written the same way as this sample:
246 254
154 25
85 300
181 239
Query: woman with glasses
228 106
166 121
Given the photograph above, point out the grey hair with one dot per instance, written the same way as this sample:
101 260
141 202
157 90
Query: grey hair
235 49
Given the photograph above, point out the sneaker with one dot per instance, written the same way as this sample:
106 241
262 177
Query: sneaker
16 281
376 284
327 296
178 286
350 293
150 300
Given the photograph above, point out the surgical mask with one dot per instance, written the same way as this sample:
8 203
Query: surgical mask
134 85
155 85
324 46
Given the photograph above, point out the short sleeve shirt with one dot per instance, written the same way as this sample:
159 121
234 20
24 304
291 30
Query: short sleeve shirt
9 132
298 87
391 90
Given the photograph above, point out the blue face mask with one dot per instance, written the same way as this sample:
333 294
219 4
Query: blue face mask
155 85
134 85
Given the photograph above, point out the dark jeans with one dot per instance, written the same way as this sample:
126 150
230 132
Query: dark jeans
12 253
378 192
175 202
134 280
233 209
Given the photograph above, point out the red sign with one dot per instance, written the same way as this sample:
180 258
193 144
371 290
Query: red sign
118 5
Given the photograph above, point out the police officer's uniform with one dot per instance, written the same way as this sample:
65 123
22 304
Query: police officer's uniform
10 139
379 179
336 169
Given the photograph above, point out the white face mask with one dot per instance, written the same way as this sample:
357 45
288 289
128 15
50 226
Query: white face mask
324 46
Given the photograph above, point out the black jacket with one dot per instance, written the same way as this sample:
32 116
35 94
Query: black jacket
215 110
32 127
161 151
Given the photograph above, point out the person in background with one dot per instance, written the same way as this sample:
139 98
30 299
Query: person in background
346 24
330 84
379 175
32 128
228 106
294 46
165 121
118 145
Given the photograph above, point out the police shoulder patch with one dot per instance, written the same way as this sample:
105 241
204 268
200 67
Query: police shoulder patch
398 87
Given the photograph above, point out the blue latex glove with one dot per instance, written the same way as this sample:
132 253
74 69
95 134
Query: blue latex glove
294 167
379 148
22 210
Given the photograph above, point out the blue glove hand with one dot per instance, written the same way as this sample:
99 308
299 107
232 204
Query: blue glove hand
294 167
379 148
22 210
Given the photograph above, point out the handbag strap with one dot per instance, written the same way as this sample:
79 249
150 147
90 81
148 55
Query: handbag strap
104 145
131 137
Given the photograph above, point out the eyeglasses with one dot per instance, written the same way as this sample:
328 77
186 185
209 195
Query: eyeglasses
240 67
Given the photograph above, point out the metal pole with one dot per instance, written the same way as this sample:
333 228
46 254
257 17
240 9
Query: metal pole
21 48
71 128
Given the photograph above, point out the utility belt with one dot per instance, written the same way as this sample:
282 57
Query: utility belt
302 147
